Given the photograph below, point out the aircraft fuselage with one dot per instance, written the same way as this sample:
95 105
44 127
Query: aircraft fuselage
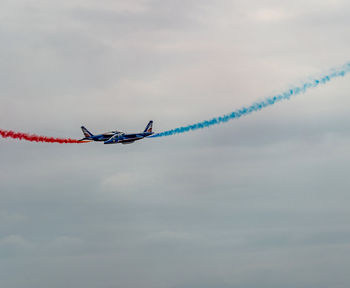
127 138
114 137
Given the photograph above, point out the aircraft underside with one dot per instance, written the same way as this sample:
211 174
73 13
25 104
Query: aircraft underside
129 141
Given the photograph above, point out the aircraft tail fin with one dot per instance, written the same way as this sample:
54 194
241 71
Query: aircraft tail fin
149 127
86 132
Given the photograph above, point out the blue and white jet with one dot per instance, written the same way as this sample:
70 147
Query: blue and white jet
114 137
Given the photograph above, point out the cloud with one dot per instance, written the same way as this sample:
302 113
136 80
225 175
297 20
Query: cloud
262 201
271 15
13 240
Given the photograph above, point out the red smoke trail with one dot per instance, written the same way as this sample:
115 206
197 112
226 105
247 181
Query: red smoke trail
36 138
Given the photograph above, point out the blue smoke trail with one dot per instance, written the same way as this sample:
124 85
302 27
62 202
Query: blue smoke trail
256 106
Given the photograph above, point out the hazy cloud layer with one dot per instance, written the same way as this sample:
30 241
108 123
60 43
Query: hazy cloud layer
258 202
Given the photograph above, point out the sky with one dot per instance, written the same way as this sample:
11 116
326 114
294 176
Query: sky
261 201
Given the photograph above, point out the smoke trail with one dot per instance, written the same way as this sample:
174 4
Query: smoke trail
36 138
256 106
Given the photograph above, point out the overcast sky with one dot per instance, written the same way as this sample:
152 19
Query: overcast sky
262 201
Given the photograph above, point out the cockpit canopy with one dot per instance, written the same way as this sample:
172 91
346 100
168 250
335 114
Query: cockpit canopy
112 133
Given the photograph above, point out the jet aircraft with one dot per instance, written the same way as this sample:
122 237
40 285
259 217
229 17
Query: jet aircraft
114 137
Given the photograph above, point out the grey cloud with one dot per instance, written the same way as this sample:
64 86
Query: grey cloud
261 201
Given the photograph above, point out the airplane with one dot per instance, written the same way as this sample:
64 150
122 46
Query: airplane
114 137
